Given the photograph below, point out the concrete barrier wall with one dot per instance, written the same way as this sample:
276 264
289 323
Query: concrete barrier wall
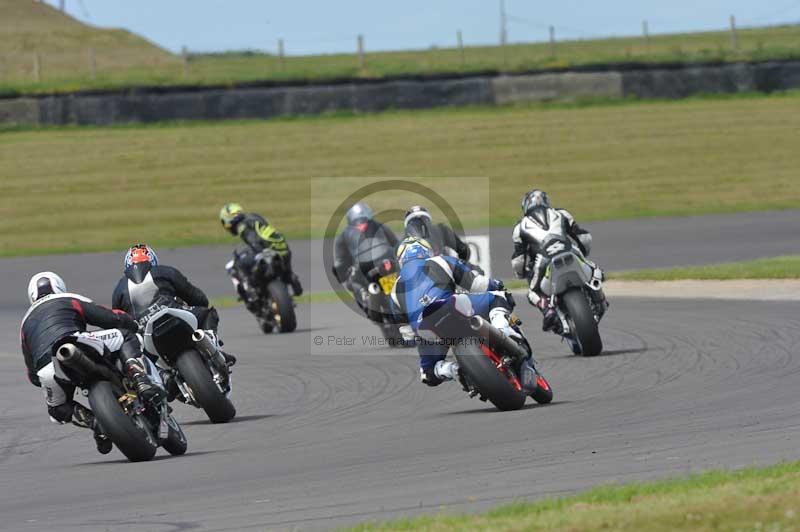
140 106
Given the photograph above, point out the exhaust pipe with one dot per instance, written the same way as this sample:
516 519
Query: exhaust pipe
72 357
374 289
207 348
495 339
204 343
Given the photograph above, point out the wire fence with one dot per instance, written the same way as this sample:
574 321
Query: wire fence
101 66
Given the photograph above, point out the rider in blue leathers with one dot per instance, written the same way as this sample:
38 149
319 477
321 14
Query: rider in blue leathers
425 279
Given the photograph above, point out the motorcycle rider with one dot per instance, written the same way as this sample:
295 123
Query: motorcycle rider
258 234
146 282
363 243
418 223
57 317
425 279
535 207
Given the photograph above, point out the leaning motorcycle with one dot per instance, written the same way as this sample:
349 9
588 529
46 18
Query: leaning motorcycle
135 427
490 363
575 288
263 290
191 357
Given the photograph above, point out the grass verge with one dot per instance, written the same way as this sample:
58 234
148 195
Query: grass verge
785 267
100 189
748 499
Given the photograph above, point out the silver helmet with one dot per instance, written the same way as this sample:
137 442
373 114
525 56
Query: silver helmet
359 212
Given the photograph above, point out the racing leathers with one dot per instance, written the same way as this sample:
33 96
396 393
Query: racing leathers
423 282
441 237
144 285
57 319
259 235
529 260
357 250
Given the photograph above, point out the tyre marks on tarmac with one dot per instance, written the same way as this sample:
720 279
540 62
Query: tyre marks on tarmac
330 438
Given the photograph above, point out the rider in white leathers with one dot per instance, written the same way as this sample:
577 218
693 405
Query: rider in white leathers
528 261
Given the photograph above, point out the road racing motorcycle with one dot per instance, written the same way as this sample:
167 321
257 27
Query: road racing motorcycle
137 428
190 359
573 283
490 363
258 279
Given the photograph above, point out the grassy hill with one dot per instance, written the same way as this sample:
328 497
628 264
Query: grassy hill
63 44
122 59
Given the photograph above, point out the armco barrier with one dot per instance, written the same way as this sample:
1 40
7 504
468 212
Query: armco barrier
197 103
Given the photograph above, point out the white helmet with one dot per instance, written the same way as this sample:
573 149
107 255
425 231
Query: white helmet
43 284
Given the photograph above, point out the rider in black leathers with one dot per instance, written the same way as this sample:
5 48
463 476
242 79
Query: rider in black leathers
362 245
441 237
258 234
146 282
54 318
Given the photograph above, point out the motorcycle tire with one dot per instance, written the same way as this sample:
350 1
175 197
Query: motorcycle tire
583 323
283 305
176 443
543 394
207 395
484 375
134 442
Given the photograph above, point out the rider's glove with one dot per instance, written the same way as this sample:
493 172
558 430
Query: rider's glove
34 378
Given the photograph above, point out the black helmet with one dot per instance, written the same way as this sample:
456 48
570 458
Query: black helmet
417 222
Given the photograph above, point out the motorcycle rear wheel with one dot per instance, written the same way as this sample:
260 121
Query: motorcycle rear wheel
131 440
285 306
208 396
583 322
485 376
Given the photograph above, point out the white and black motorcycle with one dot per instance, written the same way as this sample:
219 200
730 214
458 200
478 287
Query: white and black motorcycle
573 283
191 357
136 428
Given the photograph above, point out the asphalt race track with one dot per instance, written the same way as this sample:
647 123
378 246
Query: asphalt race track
348 434
343 432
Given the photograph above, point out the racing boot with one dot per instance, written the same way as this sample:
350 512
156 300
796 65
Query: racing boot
444 370
83 417
550 322
297 288
147 390
171 386
508 323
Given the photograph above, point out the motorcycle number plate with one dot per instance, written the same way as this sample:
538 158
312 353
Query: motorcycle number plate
387 282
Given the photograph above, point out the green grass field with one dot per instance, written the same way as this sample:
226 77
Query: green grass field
750 499
787 267
77 189
124 60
